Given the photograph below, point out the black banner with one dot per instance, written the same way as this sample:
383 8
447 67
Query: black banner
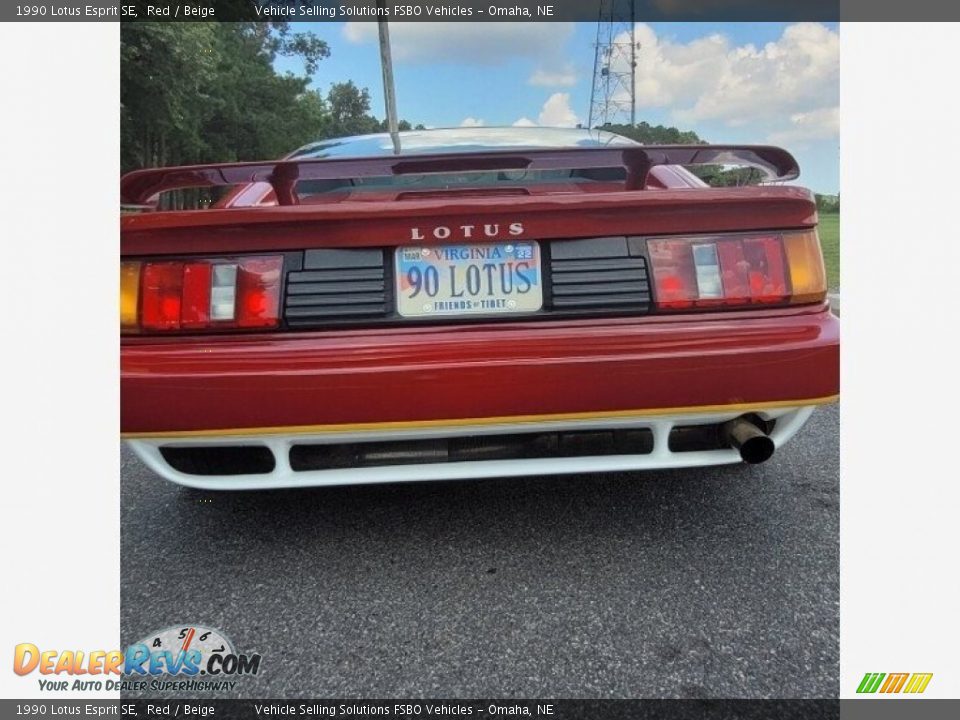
482 10
416 709
474 10
468 10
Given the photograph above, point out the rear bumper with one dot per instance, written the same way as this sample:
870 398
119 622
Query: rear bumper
658 454
324 390
480 375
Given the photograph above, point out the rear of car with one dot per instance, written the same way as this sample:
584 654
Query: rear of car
484 303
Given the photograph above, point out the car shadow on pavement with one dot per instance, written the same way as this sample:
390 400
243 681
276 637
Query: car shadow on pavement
652 500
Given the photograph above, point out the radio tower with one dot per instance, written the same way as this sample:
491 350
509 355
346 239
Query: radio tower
612 97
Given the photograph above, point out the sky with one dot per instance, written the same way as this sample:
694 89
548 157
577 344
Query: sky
774 83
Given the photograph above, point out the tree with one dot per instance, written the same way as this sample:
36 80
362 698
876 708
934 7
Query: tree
828 203
256 112
649 134
348 111
206 92
713 175
168 72
720 176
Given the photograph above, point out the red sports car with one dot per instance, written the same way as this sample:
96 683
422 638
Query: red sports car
470 303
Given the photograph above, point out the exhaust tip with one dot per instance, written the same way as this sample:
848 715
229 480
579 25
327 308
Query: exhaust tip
754 444
757 450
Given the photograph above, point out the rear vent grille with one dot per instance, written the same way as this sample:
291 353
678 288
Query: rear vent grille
598 274
337 285
583 443
220 460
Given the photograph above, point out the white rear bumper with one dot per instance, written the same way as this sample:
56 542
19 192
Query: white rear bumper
788 422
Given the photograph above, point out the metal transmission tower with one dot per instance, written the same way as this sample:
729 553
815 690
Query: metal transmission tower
612 97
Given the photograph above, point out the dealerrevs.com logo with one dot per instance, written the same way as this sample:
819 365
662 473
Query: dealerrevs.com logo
884 683
179 658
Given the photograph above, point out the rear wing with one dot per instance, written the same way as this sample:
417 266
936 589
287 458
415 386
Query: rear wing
141 187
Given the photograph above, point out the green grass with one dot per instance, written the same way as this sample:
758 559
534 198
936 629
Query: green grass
830 242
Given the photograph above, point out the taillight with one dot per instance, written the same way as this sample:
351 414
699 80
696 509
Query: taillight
161 291
808 277
129 295
258 292
733 270
183 295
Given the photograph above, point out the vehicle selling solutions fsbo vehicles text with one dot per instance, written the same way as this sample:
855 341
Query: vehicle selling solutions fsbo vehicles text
399 11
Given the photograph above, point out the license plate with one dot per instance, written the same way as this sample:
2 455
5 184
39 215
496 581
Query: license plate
488 279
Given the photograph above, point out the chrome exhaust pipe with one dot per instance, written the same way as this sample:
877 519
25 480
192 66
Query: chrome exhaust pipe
754 444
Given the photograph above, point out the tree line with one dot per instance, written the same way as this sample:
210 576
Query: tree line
208 92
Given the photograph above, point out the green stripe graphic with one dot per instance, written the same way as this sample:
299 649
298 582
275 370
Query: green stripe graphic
876 685
871 682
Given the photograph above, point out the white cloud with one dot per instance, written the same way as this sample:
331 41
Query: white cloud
710 79
472 122
670 74
817 124
556 112
460 42
566 76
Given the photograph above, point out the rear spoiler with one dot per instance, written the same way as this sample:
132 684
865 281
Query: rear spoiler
141 187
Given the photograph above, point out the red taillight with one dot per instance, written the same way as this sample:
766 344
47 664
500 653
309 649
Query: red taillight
765 257
195 310
729 270
208 294
161 290
258 292
674 275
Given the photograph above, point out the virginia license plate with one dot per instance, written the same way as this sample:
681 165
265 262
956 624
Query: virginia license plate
488 279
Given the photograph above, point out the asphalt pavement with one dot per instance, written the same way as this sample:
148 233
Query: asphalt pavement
708 582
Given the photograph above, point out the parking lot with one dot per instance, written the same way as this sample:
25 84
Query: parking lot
715 582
